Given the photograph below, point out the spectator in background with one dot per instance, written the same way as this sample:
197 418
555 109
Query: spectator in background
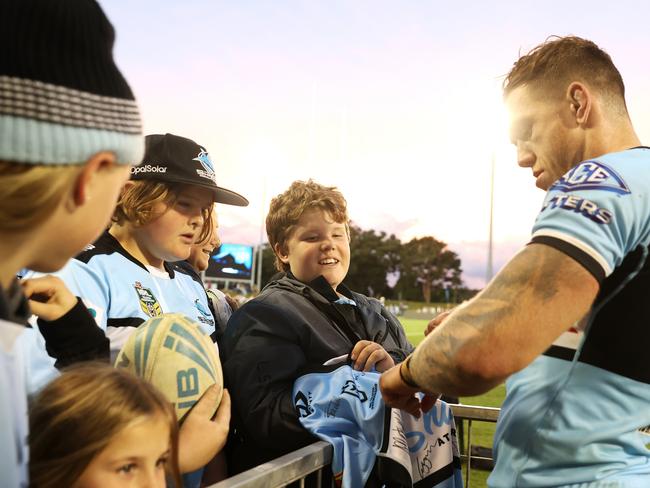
99 426
221 304
200 252
69 130
303 318
566 320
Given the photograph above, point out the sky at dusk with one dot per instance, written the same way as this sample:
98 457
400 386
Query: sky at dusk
395 103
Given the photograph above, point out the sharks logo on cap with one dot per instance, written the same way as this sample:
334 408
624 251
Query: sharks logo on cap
208 168
204 159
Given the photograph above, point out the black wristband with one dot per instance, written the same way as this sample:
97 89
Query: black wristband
406 375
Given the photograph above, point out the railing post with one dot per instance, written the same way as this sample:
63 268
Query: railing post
469 453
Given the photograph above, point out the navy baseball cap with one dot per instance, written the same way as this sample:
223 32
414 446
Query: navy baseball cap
175 159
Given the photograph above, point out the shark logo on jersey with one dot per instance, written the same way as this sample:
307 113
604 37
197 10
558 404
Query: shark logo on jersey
302 403
199 306
148 302
208 168
350 388
592 175
206 316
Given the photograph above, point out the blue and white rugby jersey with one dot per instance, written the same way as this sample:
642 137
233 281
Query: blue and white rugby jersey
25 368
13 406
121 292
571 417
344 407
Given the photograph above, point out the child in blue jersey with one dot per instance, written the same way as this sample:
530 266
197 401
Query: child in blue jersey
69 130
130 273
221 305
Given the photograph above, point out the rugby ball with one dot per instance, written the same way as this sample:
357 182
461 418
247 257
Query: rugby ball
175 355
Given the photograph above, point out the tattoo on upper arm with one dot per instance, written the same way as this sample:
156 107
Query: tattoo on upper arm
536 270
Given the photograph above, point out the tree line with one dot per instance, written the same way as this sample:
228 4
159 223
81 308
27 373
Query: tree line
422 269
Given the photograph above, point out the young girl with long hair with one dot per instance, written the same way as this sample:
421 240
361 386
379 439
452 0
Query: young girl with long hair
98 426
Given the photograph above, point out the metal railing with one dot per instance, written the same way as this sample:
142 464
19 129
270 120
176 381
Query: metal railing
290 468
310 461
471 414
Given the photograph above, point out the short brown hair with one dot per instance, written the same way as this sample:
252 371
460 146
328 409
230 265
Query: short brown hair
561 60
287 208
137 201
29 193
75 417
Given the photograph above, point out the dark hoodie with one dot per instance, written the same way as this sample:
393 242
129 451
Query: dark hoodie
291 328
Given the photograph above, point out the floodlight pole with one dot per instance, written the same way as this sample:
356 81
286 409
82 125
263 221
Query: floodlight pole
489 270
260 246
258 280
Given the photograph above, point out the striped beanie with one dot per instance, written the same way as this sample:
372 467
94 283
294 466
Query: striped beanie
62 98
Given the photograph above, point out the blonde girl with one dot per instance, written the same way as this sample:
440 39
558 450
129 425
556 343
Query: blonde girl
98 426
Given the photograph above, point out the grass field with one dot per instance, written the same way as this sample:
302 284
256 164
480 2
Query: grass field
482 432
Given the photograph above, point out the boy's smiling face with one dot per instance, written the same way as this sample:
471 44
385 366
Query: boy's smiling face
317 246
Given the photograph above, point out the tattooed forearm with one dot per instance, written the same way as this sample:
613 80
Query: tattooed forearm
485 340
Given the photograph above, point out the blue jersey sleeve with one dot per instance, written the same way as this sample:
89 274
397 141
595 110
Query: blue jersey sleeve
39 366
89 285
13 406
599 211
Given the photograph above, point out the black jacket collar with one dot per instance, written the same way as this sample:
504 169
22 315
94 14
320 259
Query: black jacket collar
319 285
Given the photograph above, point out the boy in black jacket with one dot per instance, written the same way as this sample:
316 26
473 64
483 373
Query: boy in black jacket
304 317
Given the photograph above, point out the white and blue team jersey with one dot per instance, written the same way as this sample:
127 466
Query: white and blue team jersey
121 292
571 418
13 406
25 368
344 407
